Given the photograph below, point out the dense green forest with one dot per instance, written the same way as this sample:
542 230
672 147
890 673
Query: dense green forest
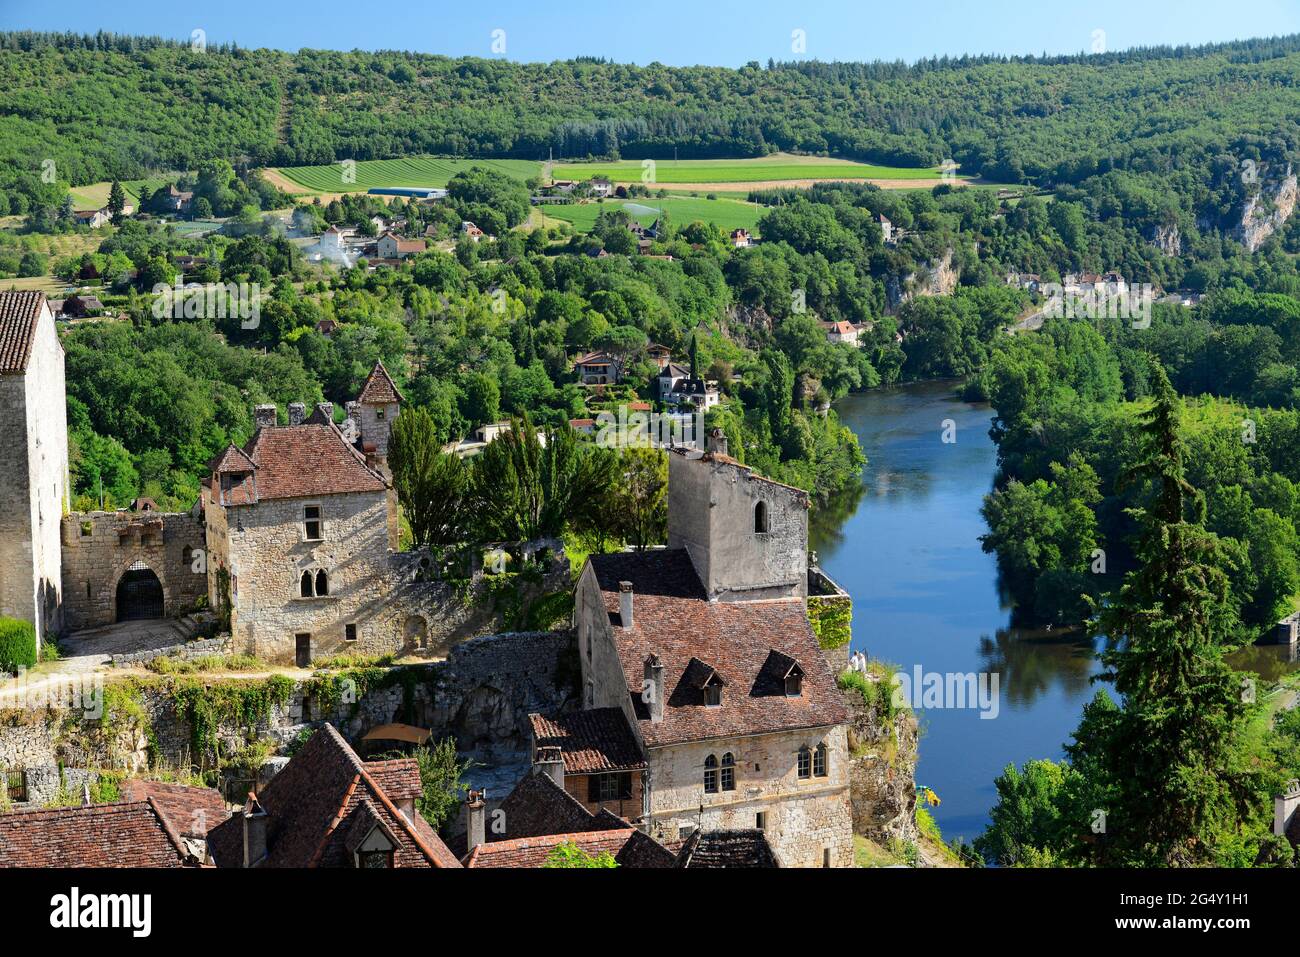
1180 120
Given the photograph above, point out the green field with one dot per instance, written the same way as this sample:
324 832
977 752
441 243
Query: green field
764 169
412 171
95 196
727 213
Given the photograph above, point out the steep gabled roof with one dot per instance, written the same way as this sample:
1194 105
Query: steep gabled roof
302 461
592 742
124 834
234 460
20 313
379 388
314 805
538 806
695 638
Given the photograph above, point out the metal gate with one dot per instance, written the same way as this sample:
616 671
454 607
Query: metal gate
139 594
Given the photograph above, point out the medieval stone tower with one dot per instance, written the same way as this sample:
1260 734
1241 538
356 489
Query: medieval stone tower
378 405
33 464
747 536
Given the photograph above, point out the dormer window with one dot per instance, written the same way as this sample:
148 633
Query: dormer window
794 681
312 526
713 696
760 519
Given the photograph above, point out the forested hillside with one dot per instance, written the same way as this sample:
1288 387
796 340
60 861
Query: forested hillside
104 106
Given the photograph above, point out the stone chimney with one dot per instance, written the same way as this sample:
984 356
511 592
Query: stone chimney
625 604
549 760
476 814
716 442
255 821
326 409
264 416
653 689
297 412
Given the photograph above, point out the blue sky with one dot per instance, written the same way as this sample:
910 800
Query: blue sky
721 32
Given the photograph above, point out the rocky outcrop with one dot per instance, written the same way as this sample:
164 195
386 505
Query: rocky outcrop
1168 239
882 781
931 279
1267 211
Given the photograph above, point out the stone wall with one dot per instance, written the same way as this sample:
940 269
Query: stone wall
803 819
99 548
481 695
712 505
34 484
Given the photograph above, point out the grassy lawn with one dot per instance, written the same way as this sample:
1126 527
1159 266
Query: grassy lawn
763 169
412 171
727 213
95 196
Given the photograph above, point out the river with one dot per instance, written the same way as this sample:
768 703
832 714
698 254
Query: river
906 547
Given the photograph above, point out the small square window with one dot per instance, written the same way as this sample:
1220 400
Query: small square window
313 528
350 632
379 413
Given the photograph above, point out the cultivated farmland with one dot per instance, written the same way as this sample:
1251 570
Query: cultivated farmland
727 213
741 174
412 171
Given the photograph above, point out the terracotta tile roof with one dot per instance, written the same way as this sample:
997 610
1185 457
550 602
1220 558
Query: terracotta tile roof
674 620
189 811
124 834
719 849
591 741
399 777
19 314
232 459
312 805
379 387
301 461
533 851
641 850
538 806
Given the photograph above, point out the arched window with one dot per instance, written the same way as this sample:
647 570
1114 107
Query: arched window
728 772
760 517
322 584
711 775
819 761
305 585
805 763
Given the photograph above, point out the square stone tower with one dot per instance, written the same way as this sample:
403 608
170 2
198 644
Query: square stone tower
379 404
747 536
34 465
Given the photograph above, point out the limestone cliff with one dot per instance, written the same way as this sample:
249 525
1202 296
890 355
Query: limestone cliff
1168 239
931 279
882 783
1267 211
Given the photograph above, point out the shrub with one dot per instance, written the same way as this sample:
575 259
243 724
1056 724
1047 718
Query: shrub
17 644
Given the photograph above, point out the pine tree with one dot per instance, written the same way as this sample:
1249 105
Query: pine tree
1170 755
116 202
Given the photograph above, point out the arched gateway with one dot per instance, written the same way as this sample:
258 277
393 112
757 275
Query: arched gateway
139 594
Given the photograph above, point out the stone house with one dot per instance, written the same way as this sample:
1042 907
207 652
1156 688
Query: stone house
34 468
601 765
302 535
706 649
391 246
598 368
